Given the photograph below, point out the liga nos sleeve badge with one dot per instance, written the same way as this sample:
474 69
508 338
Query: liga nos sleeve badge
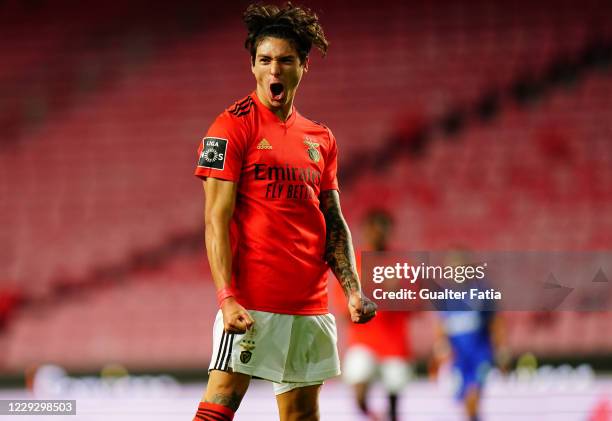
213 153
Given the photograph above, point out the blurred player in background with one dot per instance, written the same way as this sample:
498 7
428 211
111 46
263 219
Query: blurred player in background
380 349
273 229
473 341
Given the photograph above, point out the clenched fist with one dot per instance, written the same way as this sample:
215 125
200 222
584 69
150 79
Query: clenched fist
361 308
235 317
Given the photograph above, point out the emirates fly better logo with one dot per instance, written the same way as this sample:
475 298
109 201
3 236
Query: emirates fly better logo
213 153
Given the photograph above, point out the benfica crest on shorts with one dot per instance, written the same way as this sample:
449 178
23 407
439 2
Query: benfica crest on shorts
247 345
245 356
313 152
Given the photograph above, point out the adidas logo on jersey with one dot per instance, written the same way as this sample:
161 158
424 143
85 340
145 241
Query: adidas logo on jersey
264 144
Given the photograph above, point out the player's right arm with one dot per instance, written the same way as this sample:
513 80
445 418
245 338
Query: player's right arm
218 211
441 351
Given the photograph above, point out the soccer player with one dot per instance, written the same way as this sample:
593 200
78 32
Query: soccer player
273 228
380 349
474 341
469 339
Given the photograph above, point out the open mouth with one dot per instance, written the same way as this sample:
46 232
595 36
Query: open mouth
277 90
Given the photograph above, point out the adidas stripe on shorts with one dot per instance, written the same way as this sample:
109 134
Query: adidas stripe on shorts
291 351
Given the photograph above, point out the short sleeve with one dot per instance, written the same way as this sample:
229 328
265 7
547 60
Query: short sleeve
221 151
330 179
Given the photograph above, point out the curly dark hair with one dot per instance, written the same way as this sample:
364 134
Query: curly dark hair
299 25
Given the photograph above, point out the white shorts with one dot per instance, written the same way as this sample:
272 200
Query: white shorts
291 351
361 365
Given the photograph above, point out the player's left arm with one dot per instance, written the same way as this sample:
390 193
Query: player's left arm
497 330
340 257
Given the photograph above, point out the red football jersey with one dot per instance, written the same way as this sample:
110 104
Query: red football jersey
387 334
277 230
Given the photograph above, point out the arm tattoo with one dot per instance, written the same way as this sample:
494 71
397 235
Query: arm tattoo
232 401
339 252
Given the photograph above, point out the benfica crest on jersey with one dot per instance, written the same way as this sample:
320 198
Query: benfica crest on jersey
313 152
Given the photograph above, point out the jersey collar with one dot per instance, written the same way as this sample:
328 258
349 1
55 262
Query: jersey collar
271 116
